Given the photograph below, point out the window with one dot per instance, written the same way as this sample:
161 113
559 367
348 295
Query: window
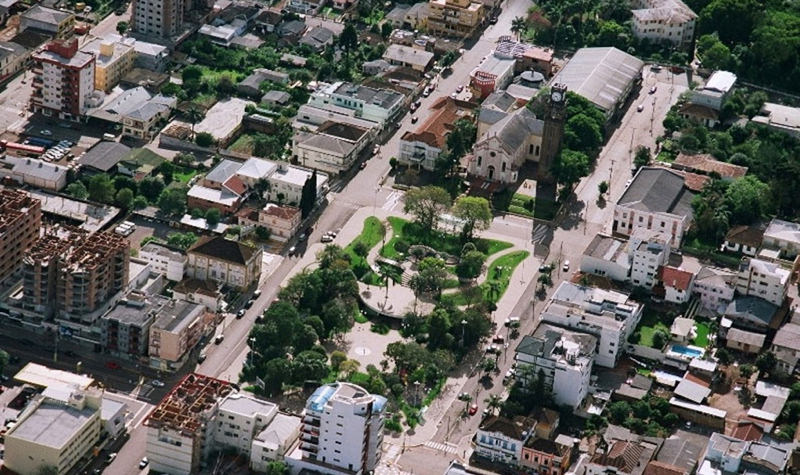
504 166
479 161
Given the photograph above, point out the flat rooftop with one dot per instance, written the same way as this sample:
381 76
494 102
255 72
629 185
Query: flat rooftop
223 118
246 405
87 216
176 314
52 425
42 376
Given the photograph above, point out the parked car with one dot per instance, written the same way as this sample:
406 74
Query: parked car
413 107
143 463
376 149
201 357
362 166
545 268
640 108
218 339
292 251
512 322
257 293
473 409
249 303
326 238
426 92
566 266
240 313
46 132
414 119
302 237
653 90
493 20
158 383
464 397
454 95
459 88
112 365
111 457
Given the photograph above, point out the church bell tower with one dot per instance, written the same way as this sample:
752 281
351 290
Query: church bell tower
553 131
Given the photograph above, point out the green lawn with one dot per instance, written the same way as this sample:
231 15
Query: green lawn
444 242
651 322
244 144
371 234
521 204
701 339
508 263
183 175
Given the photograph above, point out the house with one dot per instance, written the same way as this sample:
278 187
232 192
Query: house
715 287
293 60
499 439
606 256
506 146
783 235
318 38
744 239
779 118
770 400
655 467
286 183
705 164
267 21
726 454
56 23
276 98
13 57
306 7
203 292
563 356
747 431
700 114
422 147
282 221
291 31
718 87
103 157
763 279
682 330
164 260
656 199
221 188
608 315
255 170
251 85
376 67
397 16
140 112
223 261
333 148
786 347
664 21
752 313
692 391
547 456
677 284
343 5
408 57
622 457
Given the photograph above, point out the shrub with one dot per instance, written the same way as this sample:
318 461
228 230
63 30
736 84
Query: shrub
204 139
401 246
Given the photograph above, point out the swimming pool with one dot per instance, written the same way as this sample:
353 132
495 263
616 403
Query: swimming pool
691 352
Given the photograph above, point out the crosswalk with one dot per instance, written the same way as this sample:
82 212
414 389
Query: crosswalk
540 233
444 447
392 200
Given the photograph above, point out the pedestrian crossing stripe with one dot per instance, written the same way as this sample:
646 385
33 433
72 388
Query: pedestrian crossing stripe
444 447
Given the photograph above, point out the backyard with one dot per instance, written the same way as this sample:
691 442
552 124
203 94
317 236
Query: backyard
653 321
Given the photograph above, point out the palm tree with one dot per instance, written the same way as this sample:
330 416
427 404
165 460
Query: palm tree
194 115
493 403
518 25
493 289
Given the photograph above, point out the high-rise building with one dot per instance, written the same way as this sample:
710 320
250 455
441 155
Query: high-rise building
90 274
159 18
40 267
63 80
343 428
20 220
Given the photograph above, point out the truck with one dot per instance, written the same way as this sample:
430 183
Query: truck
40 142
22 149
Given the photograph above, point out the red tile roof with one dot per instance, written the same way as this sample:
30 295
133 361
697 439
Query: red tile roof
661 468
236 185
446 111
705 163
746 430
676 278
282 212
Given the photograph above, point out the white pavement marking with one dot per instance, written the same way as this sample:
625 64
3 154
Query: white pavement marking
447 448
392 200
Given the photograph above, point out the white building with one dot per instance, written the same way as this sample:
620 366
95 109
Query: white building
763 279
716 90
715 287
241 419
677 284
786 346
507 145
164 260
56 430
56 64
779 118
501 440
287 182
343 428
656 199
649 250
333 148
608 315
606 256
224 261
783 235
563 357
36 173
376 105
664 21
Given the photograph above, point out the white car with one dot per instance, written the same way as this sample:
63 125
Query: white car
326 238
46 132
566 266
512 322
158 383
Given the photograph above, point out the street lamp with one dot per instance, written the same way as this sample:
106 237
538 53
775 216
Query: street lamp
252 350
463 328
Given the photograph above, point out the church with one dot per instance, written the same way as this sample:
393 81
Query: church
520 136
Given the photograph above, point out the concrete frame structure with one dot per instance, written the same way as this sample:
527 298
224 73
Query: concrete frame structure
157 18
20 221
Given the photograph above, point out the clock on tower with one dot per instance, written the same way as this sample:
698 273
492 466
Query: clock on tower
553 131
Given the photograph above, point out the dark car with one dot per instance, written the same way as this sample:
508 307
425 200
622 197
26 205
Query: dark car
112 365
71 354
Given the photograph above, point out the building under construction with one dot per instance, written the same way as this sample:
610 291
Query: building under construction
40 267
90 274
176 428
20 220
